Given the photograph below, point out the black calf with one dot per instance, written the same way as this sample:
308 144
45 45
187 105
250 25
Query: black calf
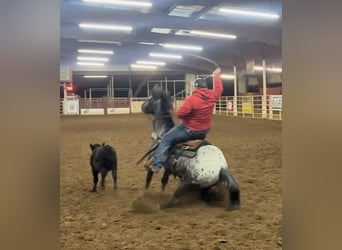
103 159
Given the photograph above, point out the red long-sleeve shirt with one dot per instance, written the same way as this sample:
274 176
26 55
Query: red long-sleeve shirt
197 110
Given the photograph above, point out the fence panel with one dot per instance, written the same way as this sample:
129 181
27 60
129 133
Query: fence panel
246 106
249 106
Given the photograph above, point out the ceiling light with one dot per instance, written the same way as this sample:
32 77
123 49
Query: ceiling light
268 69
183 33
143 66
275 69
210 34
130 3
102 59
185 11
105 27
108 52
249 13
161 30
145 43
151 63
227 76
180 46
90 63
89 76
162 55
99 41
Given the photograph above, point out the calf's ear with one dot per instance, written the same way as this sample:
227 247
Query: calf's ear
103 143
91 147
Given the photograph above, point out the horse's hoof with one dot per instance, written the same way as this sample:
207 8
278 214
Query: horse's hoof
233 207
164 206
205 198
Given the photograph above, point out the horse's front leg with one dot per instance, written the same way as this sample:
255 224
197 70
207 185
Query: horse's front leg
165 178
180 191
148 179
204 194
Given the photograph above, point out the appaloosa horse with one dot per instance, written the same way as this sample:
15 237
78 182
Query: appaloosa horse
197 163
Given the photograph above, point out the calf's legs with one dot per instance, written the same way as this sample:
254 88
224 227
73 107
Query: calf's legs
95 179
114 178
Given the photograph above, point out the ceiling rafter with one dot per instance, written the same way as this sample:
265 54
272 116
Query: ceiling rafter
257 40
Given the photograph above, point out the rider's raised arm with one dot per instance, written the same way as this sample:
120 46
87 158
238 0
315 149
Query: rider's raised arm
218 86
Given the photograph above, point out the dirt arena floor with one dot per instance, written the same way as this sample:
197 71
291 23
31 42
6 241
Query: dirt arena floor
130 218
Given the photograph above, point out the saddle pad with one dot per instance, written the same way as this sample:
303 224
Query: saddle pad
192 144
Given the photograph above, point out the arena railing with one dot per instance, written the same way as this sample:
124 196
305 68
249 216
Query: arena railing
246 106
250 107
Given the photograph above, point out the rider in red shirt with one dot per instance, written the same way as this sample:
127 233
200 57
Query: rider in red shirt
195 114
197 110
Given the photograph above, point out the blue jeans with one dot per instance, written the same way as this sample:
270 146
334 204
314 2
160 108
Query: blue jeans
177 134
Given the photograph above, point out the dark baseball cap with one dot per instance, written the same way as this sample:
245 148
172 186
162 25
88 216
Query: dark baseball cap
200 83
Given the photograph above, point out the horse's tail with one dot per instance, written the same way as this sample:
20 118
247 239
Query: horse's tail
233 188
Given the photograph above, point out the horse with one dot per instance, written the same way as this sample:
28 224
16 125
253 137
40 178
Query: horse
103 159
197 163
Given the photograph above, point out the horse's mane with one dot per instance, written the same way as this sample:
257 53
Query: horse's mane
166 102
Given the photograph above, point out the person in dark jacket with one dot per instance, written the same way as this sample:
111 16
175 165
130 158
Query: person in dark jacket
196 119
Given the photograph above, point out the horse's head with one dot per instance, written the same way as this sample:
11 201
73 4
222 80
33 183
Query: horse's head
159 103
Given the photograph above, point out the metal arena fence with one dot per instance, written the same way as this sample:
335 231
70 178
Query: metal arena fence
253 106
